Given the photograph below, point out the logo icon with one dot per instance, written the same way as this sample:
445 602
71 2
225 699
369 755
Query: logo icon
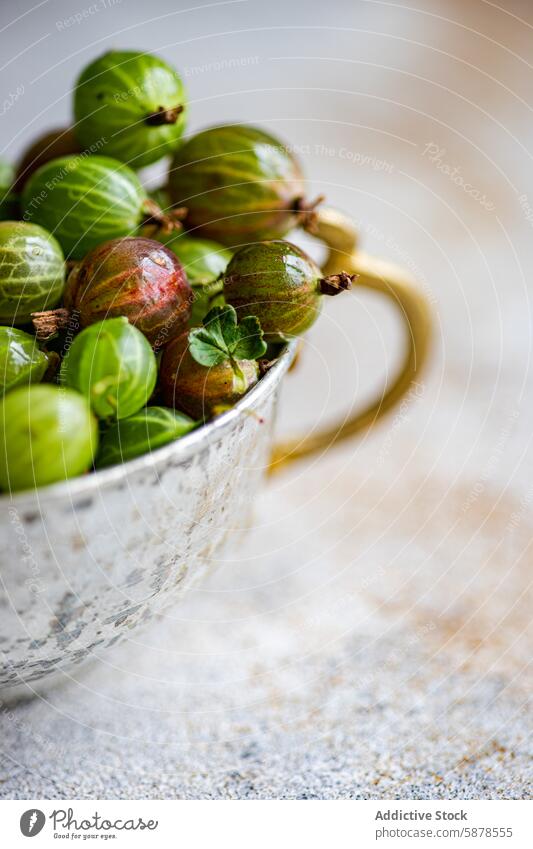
32 822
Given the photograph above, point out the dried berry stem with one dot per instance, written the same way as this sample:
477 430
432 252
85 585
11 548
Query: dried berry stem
305 212
265 365
163 116
166 222
48 323
54 361
336 283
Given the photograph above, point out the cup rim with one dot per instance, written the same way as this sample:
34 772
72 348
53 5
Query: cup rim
181 449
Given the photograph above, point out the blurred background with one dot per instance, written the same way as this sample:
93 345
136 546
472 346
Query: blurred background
369 636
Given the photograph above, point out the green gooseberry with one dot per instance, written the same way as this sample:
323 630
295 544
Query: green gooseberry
204 262
113 365
85 200
9 203
21 361
132 105
47 434
141 433
281 285
32 271
7 175
239 184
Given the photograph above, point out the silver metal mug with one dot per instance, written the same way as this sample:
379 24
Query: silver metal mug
85 561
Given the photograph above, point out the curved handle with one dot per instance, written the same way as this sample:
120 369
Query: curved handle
339 234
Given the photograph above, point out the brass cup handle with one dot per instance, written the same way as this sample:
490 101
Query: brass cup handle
339 234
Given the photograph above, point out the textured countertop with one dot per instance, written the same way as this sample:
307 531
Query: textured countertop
343 655
370 636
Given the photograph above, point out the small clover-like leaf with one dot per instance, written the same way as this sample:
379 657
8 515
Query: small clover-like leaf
203 350
250 344
210 344
221 338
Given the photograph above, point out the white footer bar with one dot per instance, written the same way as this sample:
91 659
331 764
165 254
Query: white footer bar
267 824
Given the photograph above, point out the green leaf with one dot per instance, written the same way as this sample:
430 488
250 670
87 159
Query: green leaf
250 345
221 338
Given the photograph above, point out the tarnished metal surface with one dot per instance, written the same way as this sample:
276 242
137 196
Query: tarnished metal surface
86 561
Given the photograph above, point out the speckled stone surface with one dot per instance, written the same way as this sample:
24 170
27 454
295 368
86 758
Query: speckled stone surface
371 636
300 671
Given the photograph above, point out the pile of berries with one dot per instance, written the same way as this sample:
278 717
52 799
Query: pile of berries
130 318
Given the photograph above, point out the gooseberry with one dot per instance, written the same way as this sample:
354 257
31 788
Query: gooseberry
32 270
200 391
281 285
112 364
239 184
204 262
21 361
50 145
134 103
140 433
84 201
134 277
8 198
47 434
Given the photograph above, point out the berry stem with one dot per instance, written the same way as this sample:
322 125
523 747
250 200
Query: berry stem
265 365
336 283
163 116
305 212
54 361
48 323
166 222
